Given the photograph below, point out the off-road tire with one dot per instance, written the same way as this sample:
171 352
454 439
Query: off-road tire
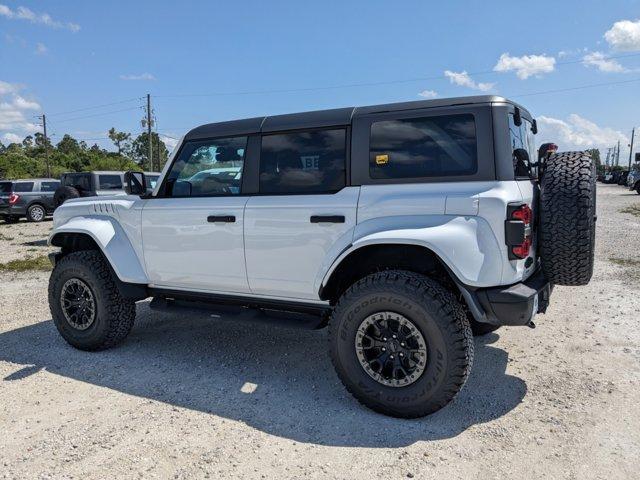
481 328
442 322
114 314
567 218
64 193
36 213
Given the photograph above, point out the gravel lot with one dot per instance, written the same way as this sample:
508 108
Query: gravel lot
202 397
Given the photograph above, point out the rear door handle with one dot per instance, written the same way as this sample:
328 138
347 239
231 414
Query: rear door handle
221 219
327 219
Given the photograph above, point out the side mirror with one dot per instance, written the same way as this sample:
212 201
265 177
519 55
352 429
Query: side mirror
181 188
135 183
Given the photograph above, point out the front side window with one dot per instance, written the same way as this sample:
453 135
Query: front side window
207 168
23 187
303 162
110 182
49 186
435 146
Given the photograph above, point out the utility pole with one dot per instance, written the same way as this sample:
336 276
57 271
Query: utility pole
633 131
618 154
149 132
46 144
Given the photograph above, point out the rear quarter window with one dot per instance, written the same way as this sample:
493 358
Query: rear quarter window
110 182
5 187
49 186
23 187
434 146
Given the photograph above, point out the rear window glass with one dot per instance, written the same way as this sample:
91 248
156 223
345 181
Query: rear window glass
77 180
110 182
423 147
522 138
49 186
5 187
23 187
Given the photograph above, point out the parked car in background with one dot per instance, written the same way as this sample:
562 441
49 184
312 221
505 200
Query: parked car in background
633 179
622 178
94 184
32 198
152 180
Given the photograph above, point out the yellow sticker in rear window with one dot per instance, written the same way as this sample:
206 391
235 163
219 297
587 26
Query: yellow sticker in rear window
382 159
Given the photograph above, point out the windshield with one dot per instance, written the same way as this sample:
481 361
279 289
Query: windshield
5 187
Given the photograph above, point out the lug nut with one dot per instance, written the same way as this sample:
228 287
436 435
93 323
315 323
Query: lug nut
384 349
401 354
395 336
391 357
402 344
384 339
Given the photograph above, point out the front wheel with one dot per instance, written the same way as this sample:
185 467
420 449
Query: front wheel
401 343
85 302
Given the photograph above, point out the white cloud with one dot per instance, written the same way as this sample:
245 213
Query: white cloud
602 63
169 142
577 133
464 80
41 49
428 94
9 138
15 111
624 36
526 65
142 76
23 13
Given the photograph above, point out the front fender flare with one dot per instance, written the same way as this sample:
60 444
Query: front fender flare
112 241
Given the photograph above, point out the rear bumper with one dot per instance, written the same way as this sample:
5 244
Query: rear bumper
515 304
12 210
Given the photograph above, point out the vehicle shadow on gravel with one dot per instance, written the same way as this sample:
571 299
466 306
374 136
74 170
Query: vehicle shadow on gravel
207 364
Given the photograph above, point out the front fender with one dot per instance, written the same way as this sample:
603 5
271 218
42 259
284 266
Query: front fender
112 241
465 244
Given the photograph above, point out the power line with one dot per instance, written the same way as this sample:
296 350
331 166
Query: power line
98 114
96 106
582 87
361 84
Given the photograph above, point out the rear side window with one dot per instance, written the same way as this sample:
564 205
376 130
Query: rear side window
5 187
49 186
423 147
23 187
303 162
77 180
522 138
110 182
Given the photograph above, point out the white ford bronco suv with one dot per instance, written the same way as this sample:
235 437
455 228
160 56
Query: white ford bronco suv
403 227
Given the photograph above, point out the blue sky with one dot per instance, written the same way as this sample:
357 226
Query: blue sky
57 57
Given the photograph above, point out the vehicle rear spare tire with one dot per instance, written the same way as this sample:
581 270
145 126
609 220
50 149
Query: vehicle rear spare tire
64 193
567 218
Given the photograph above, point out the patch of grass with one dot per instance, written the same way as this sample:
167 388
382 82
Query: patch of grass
632 210
625 262
41 263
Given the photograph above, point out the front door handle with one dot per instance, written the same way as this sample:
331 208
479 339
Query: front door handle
221 218
327 219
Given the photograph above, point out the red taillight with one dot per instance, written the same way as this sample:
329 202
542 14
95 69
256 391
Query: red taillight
523 213
518 231
13 198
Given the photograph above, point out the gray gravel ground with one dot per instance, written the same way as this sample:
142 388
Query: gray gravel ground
200 397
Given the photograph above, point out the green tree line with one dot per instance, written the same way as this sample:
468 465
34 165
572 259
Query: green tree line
28 159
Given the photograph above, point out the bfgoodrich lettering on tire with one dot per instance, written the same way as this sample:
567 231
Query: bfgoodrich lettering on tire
398 312
85 303
567 218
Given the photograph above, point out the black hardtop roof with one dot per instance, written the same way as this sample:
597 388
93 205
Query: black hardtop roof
328 118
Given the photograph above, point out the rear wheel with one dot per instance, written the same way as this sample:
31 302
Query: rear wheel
567 218
36 213
401 343
85 302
